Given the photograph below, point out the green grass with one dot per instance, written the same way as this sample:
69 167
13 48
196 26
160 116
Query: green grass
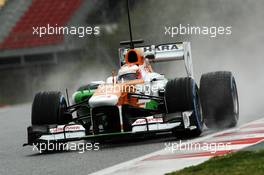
239 163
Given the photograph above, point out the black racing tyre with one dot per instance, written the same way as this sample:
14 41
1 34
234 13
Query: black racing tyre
219 99
182 94
49 108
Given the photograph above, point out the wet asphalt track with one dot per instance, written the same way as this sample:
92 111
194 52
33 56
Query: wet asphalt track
18 160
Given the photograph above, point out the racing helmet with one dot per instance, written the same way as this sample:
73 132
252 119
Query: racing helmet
129 72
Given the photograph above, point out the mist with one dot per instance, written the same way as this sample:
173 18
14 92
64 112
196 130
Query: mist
241 52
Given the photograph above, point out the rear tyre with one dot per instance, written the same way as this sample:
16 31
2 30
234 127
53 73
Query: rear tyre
181 95
219 99
49 108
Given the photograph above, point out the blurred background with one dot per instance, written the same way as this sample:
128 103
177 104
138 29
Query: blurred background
29 64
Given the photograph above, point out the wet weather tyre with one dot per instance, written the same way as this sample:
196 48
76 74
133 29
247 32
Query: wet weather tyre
219 99
182 94
49 108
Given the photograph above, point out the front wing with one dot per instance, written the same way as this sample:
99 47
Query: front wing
76 132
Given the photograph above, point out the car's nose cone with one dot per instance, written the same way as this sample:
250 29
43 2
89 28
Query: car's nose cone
103 100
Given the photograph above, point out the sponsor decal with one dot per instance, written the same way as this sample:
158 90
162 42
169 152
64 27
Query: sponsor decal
159 48
163 48
60 128
149 119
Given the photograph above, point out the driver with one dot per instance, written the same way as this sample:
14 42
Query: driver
129 72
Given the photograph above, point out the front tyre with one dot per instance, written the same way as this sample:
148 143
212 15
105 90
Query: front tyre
49 108
219 99
182 94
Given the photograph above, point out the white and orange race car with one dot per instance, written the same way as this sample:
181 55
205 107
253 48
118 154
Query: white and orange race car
138 101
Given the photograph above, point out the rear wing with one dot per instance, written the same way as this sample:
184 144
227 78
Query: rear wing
164 53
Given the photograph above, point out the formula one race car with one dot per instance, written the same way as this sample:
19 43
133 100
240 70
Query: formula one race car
138 101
